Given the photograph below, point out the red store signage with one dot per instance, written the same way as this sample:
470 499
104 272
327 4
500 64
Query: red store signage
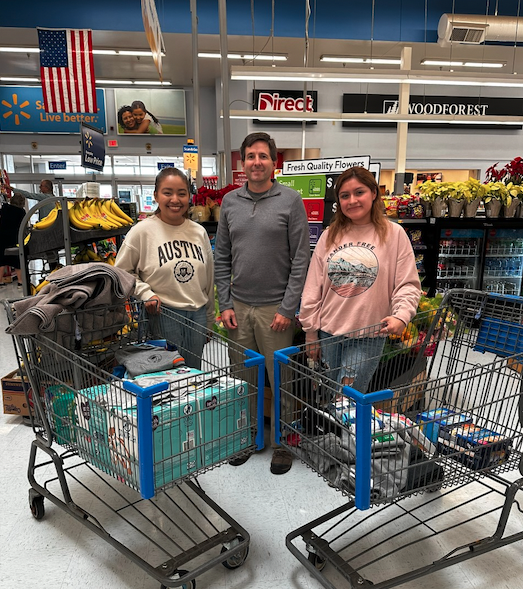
284 101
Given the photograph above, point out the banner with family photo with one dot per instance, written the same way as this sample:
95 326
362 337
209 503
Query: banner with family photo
150 112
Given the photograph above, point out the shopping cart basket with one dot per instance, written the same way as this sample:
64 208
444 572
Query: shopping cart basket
439 426
126 428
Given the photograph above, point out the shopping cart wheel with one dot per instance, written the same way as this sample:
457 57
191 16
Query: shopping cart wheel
190 585
317 560
237 559
36 503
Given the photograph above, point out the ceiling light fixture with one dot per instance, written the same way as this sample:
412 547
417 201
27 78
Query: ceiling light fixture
282 74
245 56
112 82
364 60
374 117
7 79
444 63
132 52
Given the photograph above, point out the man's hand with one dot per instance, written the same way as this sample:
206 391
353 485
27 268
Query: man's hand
229 319
152 306
280 323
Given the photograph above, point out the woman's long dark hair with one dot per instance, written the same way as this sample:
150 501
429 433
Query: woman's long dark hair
140 104
340 222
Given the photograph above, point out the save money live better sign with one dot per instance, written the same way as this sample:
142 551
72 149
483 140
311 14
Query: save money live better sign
22 111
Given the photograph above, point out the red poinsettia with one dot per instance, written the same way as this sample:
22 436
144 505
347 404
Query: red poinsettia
511 172
204 195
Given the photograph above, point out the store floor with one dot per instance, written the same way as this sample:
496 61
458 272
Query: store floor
58 552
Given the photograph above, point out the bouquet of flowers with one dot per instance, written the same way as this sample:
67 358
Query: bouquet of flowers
414 336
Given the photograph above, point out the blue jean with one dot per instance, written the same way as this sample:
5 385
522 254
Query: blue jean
352 358
189 339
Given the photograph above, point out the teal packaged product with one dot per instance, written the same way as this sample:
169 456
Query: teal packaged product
430 421
224 419
60 404
93 436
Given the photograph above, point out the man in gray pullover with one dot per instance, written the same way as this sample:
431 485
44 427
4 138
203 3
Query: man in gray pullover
261 257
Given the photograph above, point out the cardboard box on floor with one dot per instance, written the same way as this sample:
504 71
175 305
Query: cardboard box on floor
13 396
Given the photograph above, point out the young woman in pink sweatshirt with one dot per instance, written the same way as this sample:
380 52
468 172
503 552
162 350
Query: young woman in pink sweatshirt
362 273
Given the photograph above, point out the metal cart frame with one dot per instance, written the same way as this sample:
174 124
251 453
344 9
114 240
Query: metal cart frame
137 487
470 356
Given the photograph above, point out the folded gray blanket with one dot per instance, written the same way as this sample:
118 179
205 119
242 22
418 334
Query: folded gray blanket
81 286
144 358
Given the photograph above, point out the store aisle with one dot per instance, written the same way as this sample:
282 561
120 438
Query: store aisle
59 553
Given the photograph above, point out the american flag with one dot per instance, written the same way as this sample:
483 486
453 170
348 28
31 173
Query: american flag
67 70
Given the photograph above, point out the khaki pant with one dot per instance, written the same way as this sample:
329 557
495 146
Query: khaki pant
254 332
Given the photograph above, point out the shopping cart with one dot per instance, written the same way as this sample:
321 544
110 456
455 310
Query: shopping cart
122 455
436 433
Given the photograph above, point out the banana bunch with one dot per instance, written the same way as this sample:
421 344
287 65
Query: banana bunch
98 214
46 222
86 254
39 286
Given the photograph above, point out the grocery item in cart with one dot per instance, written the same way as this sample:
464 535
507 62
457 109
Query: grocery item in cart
475 447
430 421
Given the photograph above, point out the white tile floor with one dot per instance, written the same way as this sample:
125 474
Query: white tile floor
59 553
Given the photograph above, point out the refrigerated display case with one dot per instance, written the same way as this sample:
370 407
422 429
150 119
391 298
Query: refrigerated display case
480 253
503 266
459 258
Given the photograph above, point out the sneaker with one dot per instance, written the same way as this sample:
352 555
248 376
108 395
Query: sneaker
240 460
281 461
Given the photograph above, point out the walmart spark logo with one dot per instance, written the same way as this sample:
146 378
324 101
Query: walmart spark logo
88 139
15 109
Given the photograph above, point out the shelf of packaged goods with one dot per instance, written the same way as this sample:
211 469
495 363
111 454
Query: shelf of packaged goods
459 252
503 252
455 277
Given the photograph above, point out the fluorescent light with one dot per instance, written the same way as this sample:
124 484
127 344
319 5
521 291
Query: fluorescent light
136 52
479 64
301 74
19 50
155 83
245 56
5 79
444 63
372 60
113 82
268 115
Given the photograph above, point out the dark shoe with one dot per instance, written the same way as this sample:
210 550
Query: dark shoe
239 461
281 461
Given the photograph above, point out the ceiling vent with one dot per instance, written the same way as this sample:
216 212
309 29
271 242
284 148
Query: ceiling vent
476 29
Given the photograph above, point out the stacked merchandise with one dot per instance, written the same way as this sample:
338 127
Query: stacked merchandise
197 420
312 189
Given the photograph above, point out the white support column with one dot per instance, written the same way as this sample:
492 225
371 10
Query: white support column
402 128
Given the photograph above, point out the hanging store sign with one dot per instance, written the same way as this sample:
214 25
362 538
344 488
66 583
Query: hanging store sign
479 107
284 101
330 165
22 111
57 165
93 148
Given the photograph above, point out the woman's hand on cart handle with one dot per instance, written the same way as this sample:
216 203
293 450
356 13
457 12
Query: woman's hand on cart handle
152 306
312 345
391 326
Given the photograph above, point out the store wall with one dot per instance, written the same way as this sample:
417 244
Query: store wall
64 144
469 149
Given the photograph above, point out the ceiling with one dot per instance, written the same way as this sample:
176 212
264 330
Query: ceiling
392 24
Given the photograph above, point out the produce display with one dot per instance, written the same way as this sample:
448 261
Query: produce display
89 214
